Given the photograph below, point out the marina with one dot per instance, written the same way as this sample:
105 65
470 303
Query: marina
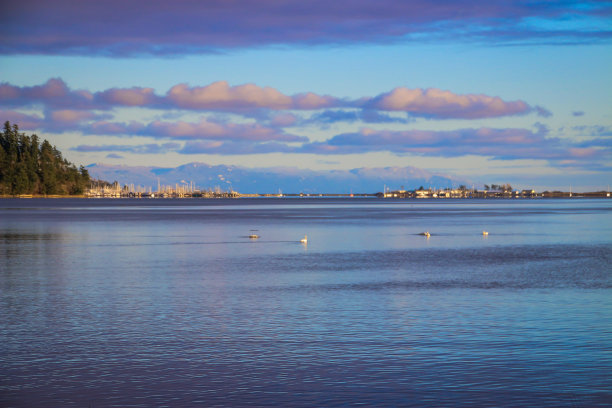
130 191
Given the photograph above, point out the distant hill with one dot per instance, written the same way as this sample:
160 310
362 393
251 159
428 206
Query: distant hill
272 179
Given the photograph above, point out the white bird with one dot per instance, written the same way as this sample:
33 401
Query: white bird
304 240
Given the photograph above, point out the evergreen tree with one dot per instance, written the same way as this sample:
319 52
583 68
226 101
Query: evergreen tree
30 167
3 163
47 174
12 156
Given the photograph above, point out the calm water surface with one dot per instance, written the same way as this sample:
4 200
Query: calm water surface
141 303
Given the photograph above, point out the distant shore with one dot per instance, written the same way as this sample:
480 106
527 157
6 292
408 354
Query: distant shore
546 194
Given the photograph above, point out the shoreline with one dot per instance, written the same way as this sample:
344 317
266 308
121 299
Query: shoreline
546 195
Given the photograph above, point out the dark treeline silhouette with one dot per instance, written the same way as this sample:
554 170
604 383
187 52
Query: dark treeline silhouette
30 167
502 187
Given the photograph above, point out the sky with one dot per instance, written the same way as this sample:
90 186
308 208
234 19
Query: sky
515 92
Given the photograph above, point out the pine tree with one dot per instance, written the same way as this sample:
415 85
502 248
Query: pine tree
29 167
48 177
3 163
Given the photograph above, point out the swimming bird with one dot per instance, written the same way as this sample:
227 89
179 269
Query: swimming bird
304 240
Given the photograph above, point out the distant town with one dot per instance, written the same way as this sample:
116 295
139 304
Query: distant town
100 189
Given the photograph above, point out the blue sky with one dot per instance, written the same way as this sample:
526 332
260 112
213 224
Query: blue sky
495 92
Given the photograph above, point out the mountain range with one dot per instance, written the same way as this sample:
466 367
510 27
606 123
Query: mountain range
288 180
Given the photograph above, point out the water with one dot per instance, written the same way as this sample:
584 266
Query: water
140 303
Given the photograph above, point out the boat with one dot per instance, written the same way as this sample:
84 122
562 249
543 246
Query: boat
485 233
427 234
304 240
253 236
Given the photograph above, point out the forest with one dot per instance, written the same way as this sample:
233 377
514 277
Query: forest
28 166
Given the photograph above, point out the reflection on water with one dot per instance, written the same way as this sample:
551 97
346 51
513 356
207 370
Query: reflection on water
169 303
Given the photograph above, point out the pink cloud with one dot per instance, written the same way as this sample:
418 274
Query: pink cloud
583 152
53 121
52 94
251 98
114 128
70 116
500 144
214 130
128 97
54 88
311 101
24 121
456 139
202 130
445 104
283 120
150 148
9 92
220 95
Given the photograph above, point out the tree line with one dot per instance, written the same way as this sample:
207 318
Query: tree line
28 166
501 187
